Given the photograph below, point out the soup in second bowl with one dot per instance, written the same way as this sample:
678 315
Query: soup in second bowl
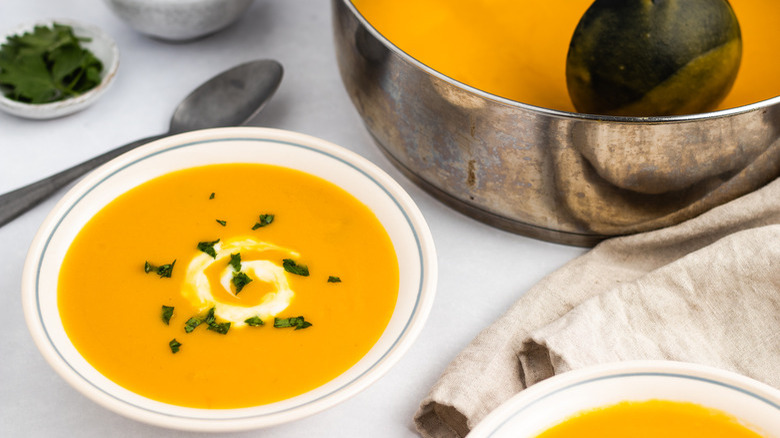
651 419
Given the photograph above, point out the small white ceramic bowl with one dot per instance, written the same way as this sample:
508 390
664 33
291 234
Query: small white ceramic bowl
551 401
393 207
100 44
178 20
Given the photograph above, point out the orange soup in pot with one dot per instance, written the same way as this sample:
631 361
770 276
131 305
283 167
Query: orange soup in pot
517 48
228 286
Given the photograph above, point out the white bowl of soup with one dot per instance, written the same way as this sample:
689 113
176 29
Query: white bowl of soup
229 279
639 398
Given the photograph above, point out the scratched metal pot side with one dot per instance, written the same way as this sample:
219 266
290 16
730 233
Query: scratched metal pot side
558 176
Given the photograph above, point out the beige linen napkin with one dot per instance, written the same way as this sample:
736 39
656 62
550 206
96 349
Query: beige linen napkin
704 291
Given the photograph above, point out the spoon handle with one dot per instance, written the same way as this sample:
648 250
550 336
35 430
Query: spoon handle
16 202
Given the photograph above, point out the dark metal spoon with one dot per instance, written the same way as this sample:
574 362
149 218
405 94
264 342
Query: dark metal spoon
231 98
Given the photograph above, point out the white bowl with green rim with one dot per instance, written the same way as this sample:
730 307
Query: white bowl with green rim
550 402
394 208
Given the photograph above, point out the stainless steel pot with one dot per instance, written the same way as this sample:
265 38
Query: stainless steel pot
563 177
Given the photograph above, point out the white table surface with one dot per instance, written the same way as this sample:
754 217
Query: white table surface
483 270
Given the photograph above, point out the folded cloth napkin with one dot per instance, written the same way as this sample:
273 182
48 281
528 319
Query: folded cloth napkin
704 291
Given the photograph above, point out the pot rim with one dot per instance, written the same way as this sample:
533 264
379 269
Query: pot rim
552 112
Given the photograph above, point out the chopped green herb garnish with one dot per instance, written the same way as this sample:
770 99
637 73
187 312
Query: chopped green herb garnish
192 324
174 344
166 270
265 219
221 222
294 268
210 318
220 327
284 322
197 320
235 261
167 313
334 279
208 247
211 196
254 321
47 64
211 321
240 280
163 271
298 322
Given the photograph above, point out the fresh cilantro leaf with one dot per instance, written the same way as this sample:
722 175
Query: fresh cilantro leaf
167 313
25 79
265 220
208 247
211 196
334 279
294 268
240 280
174 344
221 222
254 321
46 65
235 261
148 267
298 322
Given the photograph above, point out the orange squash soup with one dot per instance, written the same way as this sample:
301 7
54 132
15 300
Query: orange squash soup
517 48
651 419
228 286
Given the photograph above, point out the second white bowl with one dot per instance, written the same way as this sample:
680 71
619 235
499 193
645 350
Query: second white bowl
552 401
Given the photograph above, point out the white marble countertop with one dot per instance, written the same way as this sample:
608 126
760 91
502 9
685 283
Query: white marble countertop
482 269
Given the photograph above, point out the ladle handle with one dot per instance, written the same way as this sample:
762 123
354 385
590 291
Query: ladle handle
14 203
